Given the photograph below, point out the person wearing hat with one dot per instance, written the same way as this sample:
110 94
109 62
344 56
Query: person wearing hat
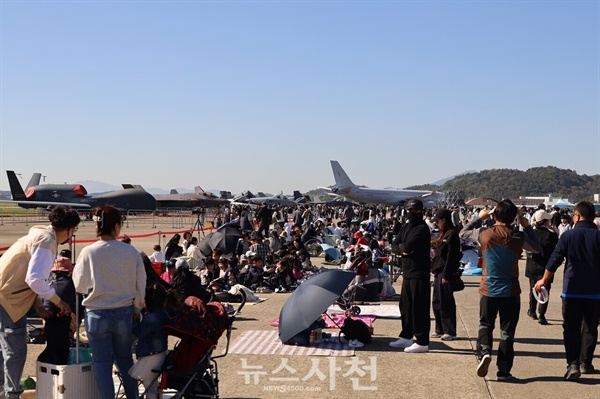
414 245
536 263
57 327
501 248
444 266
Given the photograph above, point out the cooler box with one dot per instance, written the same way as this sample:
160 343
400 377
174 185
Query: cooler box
74 381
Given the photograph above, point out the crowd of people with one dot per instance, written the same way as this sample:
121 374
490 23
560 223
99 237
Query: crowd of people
271 256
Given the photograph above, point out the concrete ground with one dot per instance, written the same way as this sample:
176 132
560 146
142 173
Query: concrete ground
377 370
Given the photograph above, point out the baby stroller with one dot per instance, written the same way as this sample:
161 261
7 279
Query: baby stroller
191 368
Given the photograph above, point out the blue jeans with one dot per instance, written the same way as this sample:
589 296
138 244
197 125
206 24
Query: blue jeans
110 334
13 342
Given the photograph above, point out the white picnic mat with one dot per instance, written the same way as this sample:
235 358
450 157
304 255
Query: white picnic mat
266 342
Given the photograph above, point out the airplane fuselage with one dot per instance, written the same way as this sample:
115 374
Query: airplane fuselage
126 199
381 196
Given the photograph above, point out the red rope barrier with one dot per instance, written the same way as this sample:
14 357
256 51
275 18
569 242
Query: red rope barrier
3 249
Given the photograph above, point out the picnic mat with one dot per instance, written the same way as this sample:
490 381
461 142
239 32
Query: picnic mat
266 342
381 311
338 320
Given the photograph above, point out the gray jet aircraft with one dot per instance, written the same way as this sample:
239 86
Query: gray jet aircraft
344 186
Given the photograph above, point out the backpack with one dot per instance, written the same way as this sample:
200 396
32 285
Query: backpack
355 329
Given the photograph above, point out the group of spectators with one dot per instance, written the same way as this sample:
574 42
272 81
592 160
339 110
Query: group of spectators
112 275
503 233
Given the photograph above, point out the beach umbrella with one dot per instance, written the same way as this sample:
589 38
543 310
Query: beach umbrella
331 251
310 299
225 239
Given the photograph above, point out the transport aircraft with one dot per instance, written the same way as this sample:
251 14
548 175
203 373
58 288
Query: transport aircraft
344 186
131 197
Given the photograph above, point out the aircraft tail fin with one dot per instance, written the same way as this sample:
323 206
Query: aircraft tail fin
341 178
15 187
199 190
35 180
173 191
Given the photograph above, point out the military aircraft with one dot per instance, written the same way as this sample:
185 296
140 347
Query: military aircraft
332 200
132 197
198 199
247 197
344 186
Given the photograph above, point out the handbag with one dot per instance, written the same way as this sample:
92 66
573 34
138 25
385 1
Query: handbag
456 283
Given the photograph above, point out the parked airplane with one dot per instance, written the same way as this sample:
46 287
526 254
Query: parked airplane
345 186
337 200
248 198
75 195
199 198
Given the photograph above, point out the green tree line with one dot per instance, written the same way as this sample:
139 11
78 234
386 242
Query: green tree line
513 183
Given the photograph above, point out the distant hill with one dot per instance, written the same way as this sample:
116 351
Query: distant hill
513 183
443 181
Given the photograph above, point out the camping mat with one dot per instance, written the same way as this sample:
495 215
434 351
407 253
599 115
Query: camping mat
381 311
338 320
266 342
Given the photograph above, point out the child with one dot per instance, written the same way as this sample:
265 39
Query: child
151 349
157 255
58 329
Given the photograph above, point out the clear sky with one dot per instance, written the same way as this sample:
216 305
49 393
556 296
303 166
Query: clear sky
260 95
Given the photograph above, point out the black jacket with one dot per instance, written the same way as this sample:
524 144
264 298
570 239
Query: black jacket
414 239
447 255
536 263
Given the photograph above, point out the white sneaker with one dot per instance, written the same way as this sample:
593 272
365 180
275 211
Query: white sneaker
448 337
354 343
401 343
416 348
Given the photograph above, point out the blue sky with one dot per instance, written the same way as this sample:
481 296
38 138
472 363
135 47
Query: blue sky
260 95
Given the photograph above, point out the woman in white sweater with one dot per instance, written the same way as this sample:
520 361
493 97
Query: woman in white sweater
111 275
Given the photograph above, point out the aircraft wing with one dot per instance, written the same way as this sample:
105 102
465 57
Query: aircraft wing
48 203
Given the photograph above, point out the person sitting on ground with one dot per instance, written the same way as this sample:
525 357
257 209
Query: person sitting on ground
254 277
168 274
157 255
173 249
243 245
187 239
303 337
284 277
259 246
208 274
187 283
228 276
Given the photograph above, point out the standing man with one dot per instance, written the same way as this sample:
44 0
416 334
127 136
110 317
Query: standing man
246 220
501 248
264 217
24 272
414 239
581 289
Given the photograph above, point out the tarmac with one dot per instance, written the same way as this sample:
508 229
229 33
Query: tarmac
378 371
